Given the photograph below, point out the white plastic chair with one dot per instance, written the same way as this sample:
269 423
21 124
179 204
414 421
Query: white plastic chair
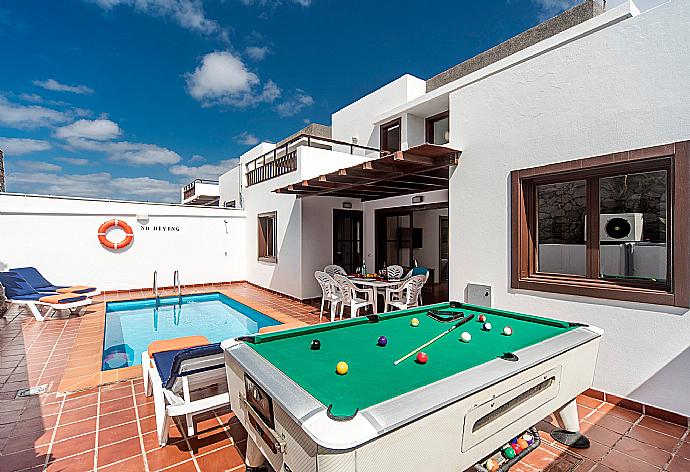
426 278
394 271
330 293
407 295
334 269
349 293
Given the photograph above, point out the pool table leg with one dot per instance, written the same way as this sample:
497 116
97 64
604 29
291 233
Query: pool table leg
254 459
569 435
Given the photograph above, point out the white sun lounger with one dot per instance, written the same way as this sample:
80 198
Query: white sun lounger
178 379
33 306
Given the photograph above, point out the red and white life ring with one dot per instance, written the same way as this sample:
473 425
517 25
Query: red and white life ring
103 229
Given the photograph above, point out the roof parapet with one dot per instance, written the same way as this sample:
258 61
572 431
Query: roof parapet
569 18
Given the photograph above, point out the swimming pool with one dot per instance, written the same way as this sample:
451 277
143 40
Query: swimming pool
130 326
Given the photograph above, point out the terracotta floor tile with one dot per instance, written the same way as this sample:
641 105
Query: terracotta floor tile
660 440
24 459
165 457
81 401
27 441
116 405
610 422
210 440
72 446
220 460
79 463
663 426
133 464
642 451
624 463
117 418
183 467
629 415
684 450
118 451
78 414
118 433
678 464
589 402
600 434
78 428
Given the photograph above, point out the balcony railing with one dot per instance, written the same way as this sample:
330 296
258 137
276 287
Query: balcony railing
283 159
189 189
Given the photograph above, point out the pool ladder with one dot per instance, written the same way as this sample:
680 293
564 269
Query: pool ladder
176 283
155 288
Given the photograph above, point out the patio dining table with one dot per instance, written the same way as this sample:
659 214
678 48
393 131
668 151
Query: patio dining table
376 283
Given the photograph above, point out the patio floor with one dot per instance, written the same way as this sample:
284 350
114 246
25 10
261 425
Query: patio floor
113 427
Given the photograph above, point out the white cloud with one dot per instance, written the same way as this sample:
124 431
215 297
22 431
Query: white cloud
75 161
127 152
197 159
95 185
100 130
54 85
550 8
38 166
294 105
29 116
205 171
257 52
247 139
223 79
189 14
20 146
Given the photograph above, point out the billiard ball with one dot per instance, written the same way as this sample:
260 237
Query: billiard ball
516 447
382 341
508 452
466 337
422 357
486 326
513 441
482 318
341 368
315 345
522 443
491 465
528 437
507 331
414 322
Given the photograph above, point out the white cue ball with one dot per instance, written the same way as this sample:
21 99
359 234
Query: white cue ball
486 326
507 330
466 337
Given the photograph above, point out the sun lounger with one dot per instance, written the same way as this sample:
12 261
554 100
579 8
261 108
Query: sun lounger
41 284
180 380
18 291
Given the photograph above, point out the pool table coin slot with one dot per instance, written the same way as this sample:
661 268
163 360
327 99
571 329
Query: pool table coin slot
500 412
259 400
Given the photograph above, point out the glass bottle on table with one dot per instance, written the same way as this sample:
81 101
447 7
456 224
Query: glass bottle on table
364 268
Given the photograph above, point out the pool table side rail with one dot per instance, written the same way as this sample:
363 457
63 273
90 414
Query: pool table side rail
402 409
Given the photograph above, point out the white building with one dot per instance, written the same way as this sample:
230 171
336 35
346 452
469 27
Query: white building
516 171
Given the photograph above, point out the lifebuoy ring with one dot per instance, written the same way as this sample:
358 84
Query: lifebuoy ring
103 229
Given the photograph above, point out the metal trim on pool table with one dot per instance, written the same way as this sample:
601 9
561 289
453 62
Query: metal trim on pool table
398 411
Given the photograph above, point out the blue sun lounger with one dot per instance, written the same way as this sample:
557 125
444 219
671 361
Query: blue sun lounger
18 291
41 284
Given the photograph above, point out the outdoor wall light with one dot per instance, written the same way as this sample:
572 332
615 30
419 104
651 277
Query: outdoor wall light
418 199
347 205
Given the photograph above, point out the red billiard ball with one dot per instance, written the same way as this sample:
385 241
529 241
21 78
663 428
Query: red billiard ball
516 447
482 318
422 357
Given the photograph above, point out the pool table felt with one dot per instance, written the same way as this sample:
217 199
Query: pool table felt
372 378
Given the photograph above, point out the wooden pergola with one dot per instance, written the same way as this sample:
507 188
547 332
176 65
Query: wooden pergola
422 168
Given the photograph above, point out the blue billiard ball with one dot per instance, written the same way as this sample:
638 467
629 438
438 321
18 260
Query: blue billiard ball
382 341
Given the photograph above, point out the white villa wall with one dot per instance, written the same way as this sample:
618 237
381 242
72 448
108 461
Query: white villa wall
230 186
59 237
357 119
621 88
428 254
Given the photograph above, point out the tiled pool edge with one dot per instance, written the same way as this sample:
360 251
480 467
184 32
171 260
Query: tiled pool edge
83 368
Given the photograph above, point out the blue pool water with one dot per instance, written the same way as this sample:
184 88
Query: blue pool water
131 326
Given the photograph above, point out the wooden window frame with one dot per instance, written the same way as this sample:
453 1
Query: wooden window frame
675 158
261 243
384 127
429 126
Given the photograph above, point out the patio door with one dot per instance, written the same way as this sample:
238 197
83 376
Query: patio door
347 239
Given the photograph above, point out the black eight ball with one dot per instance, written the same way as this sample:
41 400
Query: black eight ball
315 345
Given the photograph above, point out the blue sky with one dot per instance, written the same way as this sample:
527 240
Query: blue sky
133 98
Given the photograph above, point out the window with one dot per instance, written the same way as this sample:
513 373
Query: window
391 136
437 129
613 226
267 237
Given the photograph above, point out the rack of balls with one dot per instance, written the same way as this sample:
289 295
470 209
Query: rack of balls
512 453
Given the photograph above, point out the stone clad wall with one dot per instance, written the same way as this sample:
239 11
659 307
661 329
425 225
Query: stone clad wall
562 210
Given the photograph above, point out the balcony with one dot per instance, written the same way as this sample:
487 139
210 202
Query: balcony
283 159
201 192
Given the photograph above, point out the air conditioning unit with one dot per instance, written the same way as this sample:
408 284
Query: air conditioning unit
620 227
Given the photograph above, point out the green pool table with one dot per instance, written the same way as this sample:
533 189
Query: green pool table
492 385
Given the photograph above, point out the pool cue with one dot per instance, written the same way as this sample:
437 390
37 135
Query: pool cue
413 352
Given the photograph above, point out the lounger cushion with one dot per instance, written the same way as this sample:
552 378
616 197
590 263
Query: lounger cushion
76 289
420 271
176 344
34 277
282 327
16 285
62 298
168 363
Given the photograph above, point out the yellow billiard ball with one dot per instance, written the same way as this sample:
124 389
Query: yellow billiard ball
414 322
341 368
